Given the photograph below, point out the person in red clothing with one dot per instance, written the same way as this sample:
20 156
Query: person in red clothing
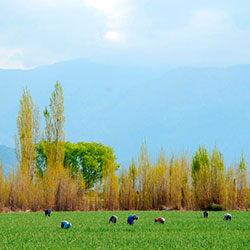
160 220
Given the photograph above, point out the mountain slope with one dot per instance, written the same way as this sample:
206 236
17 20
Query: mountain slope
120 106
7 158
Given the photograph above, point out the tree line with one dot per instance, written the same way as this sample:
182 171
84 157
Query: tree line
53 173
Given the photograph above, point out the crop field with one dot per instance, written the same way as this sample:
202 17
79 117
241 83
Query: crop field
90 230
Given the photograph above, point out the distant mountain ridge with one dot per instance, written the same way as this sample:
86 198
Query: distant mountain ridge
7 158
121 105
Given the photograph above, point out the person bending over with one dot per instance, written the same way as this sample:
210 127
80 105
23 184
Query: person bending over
160 220
227 217
65 224
131 219
47 212
205 214
113 219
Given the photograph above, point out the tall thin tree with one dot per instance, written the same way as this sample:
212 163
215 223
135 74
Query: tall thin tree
28 126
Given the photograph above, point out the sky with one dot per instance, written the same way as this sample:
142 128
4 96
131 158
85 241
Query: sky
142 32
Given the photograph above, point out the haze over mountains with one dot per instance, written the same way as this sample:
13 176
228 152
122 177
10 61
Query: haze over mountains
7 158
120 106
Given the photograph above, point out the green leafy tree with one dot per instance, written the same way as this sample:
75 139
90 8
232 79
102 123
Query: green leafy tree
90 160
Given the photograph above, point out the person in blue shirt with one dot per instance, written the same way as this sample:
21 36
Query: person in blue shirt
65 224
131 219
47 212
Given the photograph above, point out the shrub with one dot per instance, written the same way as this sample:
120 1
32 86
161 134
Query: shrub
214 207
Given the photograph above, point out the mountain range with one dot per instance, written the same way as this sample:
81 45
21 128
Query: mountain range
121 106
7 158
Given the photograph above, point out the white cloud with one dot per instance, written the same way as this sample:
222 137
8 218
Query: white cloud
110 8
112 35
107 6
10 52
62 30
116 13
9 58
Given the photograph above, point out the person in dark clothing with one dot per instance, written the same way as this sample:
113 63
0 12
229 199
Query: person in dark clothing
205 214
47 212
227 217
131 219
113 219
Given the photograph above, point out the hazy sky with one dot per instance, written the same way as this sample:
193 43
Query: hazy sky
141 32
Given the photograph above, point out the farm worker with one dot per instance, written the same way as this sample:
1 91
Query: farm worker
113 219
227 217
131 219
160 220
65 224
47 212
205 214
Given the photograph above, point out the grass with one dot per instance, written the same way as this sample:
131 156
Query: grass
182 230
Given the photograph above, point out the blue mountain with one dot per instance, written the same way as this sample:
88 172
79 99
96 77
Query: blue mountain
120 106
7 158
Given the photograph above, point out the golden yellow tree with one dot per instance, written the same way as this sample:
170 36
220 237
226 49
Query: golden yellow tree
28 135
124 194
54 182
217 178
176 182
55 126
133 174
231 189
201 178
145 197
2 187
185 183
242 183
162 180
111 188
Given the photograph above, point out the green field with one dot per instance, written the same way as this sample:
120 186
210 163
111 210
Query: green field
182 230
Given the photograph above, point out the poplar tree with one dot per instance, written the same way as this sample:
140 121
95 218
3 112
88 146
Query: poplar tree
145 197
55 124
242 183
231 189
133 174
177 185
217 178
185 186
2 193
54 149
128 186
162 176
124 194
111 188
171 180
28 134
201 178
